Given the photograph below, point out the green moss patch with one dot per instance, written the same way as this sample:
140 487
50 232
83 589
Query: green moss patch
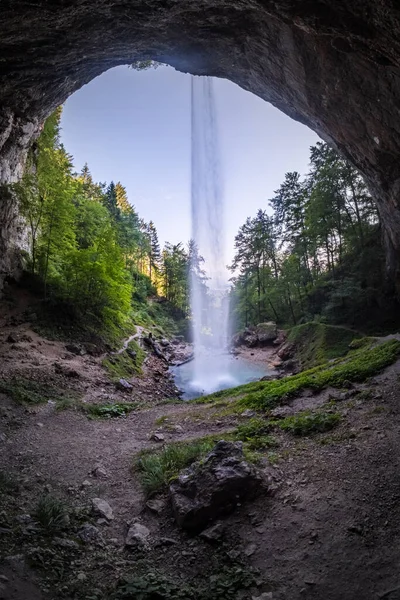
316 343
127 363
29 392
307 423
356 367
108 411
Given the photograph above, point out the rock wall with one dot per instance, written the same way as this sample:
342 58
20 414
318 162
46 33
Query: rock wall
329 64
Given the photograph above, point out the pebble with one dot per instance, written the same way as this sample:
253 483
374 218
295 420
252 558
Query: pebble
250 549
158 437
102 508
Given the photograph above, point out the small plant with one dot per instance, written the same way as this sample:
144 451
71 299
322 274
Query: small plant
307 423
158 468
50 514
153 586
108 411
8 485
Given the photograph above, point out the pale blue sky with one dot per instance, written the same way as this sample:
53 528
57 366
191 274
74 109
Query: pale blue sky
134 127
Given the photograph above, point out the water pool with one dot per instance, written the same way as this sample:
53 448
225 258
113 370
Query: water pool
211 372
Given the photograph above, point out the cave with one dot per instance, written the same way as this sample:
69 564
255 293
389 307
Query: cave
331 65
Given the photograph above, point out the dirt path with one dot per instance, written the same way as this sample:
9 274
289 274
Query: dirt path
327 529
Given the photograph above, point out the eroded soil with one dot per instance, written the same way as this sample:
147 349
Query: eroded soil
328 527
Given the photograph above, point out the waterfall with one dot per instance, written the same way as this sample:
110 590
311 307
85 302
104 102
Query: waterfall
210 310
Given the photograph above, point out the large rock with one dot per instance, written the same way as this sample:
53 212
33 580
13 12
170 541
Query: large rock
213 487
266 333
102 508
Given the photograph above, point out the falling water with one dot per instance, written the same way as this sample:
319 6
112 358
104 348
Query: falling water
210 312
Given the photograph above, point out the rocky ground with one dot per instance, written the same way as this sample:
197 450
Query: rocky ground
325 524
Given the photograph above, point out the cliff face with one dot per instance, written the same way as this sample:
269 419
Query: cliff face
330 64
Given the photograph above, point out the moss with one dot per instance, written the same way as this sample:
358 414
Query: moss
307 423
29 392
126 364
316 343
356 367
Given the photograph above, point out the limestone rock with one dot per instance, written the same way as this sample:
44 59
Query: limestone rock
137 536
102 508
266 333
214 487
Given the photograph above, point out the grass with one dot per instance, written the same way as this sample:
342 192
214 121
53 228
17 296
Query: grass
340 373
317 343
29 392
254 434
50 514
123 366
8 485
108 411
308 423
158 469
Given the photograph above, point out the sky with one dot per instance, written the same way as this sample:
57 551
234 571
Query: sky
134 127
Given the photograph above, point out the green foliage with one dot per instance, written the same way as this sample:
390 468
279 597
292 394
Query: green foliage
356 367
316 343
154 585
319 256
50 514
254 434
31 392
158 468
108 411
307 423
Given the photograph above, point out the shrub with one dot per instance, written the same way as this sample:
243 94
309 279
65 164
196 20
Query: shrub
50 514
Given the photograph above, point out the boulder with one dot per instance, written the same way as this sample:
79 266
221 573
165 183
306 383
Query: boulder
286 351
213 487
266 333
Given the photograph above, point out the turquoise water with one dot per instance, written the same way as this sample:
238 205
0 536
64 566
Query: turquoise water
219 372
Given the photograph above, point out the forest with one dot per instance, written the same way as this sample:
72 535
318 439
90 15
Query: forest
312 253
315 254
89 251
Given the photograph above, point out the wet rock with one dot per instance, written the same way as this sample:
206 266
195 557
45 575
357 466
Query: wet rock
214 487
102 508
137 536
89 533
124 385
